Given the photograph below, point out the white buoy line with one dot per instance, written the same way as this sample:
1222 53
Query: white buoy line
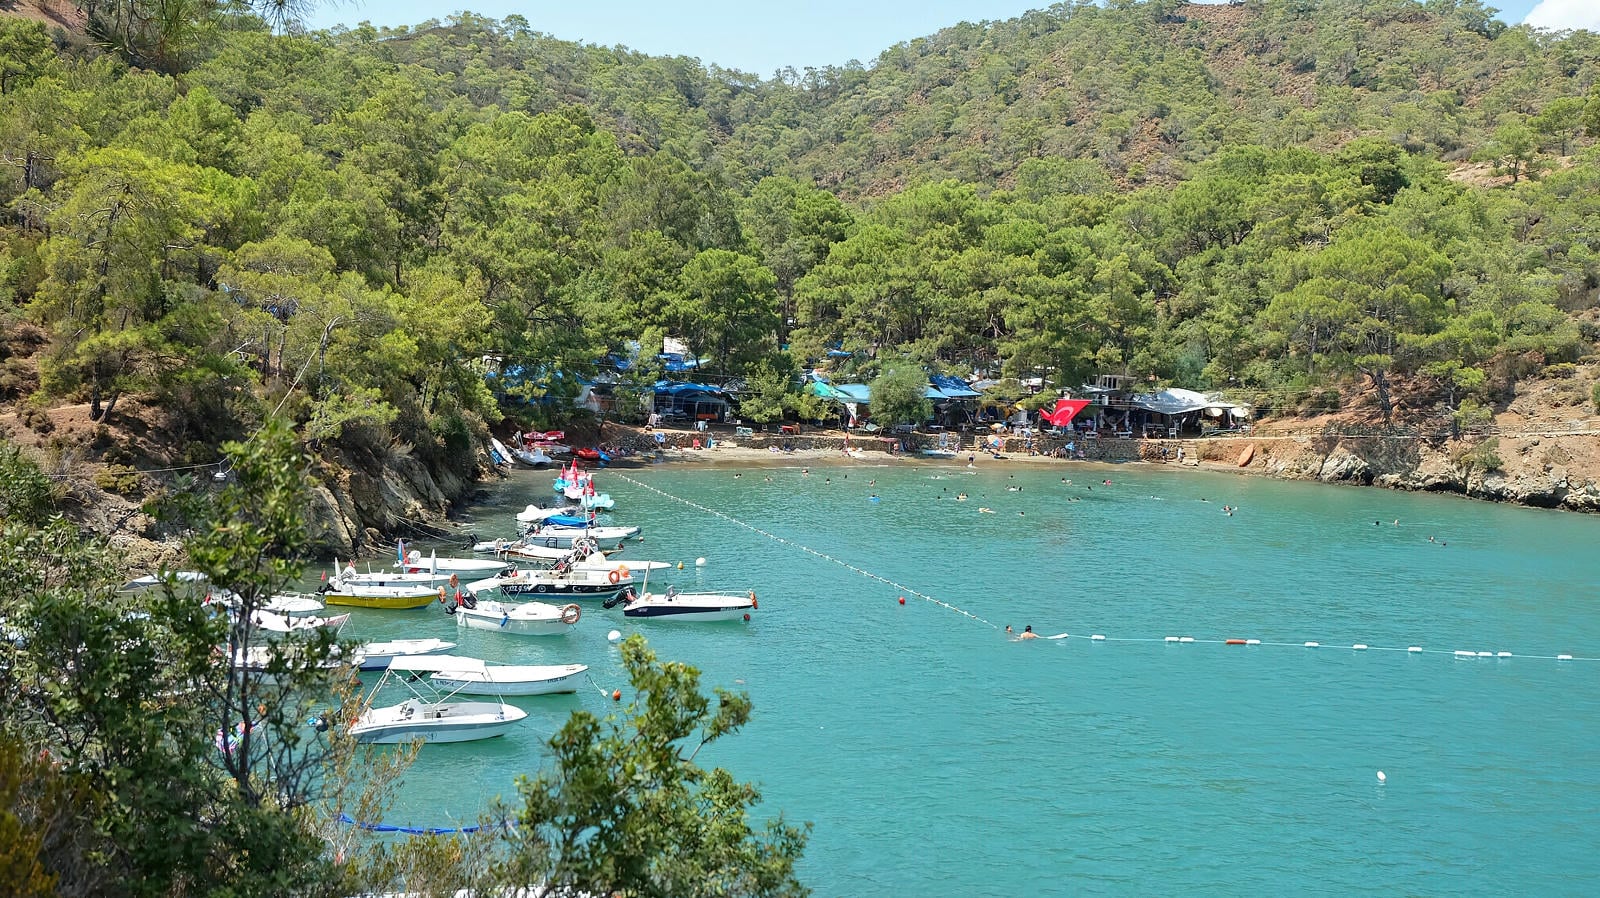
1462 654
905 590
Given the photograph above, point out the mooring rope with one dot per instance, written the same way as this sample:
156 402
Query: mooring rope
783 540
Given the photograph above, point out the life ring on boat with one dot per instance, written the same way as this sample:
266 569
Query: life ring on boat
615 577
570 614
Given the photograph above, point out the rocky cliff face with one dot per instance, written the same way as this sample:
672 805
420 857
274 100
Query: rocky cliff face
1547 470
354 508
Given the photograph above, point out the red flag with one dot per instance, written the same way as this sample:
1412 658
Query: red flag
1065 411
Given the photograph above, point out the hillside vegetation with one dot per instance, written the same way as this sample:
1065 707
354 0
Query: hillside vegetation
224 221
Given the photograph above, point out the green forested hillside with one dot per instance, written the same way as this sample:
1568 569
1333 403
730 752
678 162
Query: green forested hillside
1263 196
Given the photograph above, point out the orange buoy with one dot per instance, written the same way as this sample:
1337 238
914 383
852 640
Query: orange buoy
616 695
1235 642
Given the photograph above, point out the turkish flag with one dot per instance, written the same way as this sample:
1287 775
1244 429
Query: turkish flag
1065 411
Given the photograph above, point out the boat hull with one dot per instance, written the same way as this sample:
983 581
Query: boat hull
511 680
701 608
400 602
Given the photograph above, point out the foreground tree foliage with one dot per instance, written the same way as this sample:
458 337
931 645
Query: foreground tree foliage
135 760
624 809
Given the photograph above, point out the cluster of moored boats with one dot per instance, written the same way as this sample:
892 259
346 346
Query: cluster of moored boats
529 586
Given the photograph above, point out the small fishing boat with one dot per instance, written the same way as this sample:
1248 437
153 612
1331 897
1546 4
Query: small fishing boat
430 715
687 606
513 679
377 655
521 619
563 582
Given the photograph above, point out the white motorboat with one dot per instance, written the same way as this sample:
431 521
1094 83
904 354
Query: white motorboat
514 679
555 537
560 583
286 604
293 604
258 659
183 578
429 715
548 555
377 655
689 606
521 619
271 622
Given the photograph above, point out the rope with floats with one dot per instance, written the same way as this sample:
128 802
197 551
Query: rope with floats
783 540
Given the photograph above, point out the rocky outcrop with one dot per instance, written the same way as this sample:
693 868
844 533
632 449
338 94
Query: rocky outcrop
1530 471
354 507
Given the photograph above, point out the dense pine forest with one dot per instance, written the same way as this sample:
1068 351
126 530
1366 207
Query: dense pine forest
1275 197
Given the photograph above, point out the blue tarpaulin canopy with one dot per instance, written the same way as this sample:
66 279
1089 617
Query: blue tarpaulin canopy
676 389
952 387
675 362
854 392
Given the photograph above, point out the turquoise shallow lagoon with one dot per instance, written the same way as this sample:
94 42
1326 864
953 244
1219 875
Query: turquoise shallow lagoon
936 757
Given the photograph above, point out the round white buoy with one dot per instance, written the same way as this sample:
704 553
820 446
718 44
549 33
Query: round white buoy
613 636
700 562
1382 778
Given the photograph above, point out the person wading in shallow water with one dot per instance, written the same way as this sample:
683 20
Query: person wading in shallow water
1027 633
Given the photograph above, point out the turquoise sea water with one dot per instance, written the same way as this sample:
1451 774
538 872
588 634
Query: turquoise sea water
936 757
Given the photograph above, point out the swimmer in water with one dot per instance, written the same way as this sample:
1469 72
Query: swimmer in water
985 511
1027 633
962 497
